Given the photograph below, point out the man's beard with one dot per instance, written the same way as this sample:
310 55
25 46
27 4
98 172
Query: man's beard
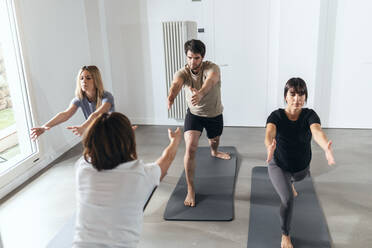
194 70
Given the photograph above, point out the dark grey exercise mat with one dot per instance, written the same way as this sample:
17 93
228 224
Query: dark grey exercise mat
214 186
64 238
308 229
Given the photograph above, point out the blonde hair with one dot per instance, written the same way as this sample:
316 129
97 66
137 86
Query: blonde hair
96 75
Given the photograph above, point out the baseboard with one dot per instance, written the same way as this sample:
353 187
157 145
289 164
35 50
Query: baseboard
42 163
153 121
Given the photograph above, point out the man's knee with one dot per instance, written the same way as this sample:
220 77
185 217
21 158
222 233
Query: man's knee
191 150
214 140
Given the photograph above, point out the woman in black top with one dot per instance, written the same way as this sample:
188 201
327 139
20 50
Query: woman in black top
288 144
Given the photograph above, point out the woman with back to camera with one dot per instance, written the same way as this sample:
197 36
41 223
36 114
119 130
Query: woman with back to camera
288 143
89 95
113 185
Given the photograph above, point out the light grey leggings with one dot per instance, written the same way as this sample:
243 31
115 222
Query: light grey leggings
282 181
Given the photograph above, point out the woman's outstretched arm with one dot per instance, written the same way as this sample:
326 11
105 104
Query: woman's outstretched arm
323 142
79 130
270 141
57 119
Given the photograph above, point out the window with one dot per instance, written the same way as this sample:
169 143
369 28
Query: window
16 148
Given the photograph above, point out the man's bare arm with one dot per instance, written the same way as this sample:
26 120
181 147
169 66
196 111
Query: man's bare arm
174 90
212 79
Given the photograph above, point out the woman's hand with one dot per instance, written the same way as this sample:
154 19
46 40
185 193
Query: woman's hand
77 130
270 151
329 154
37 131
175 136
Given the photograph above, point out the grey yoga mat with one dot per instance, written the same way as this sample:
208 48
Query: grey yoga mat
308 229
214 185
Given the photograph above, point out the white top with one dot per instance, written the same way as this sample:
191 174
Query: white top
110 203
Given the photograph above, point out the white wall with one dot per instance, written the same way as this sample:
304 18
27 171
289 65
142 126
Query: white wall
55 40
240 32
323 41
55 43
124 39
137 60
254 69
158 12
298 44
351 83
98 40
327 42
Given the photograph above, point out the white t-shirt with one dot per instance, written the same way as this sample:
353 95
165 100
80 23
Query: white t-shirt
110 203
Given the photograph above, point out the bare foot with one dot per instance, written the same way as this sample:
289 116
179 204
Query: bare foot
286 242
190 199
221 155
295 194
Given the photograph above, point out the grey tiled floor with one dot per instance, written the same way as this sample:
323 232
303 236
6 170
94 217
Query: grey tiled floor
38 211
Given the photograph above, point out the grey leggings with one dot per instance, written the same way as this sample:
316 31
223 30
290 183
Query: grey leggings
282 181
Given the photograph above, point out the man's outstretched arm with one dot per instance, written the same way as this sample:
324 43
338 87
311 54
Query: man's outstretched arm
174 90
212 79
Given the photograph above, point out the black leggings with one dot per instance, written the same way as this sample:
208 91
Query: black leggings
282 181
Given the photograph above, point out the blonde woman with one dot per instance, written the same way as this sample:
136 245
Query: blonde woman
89 95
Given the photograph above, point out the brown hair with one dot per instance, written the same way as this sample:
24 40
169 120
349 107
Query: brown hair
195 46
109 141
97 79
298 85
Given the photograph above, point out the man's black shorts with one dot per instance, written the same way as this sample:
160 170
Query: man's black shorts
214 125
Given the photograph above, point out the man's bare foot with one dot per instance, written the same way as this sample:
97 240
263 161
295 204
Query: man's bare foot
190 199
286 242
221 155
295 194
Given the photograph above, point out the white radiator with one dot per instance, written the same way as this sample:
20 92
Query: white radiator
175 34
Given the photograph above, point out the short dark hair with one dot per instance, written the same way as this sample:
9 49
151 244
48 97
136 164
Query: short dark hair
298 85
195 46
109 141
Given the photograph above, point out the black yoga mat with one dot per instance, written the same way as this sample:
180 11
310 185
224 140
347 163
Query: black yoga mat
309 227
214 187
